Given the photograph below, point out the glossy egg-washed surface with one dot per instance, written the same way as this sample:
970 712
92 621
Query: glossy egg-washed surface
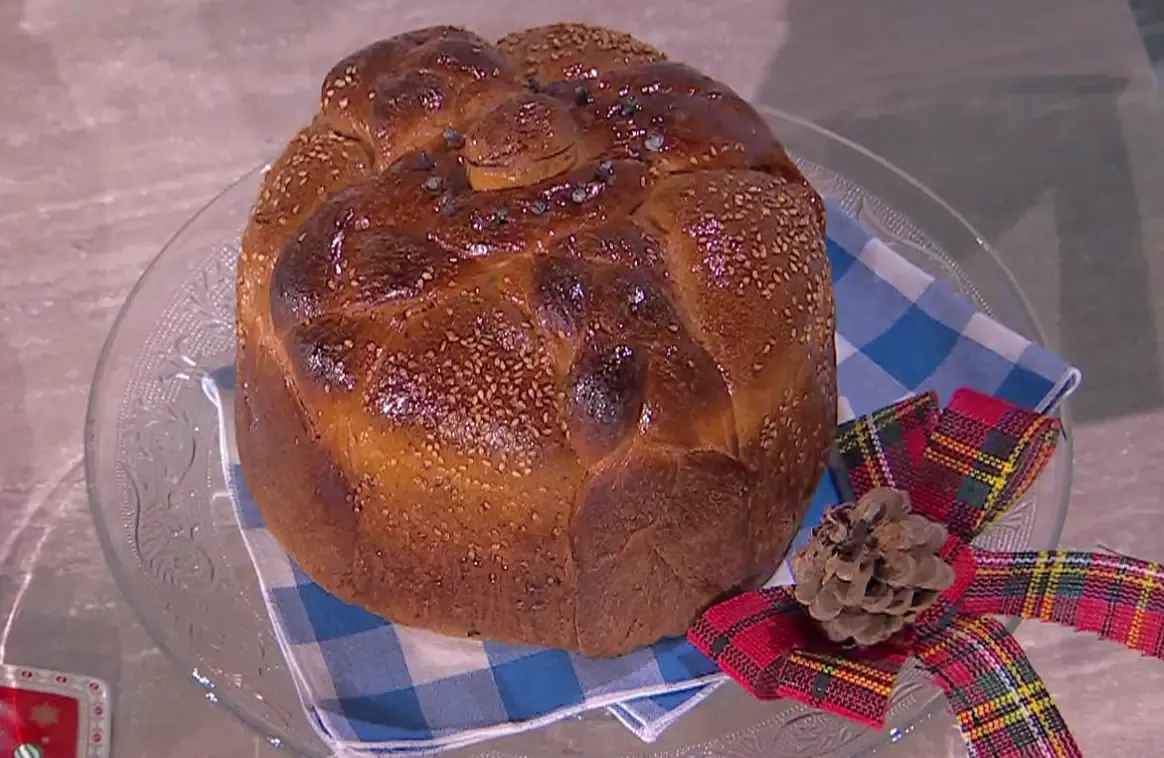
535 339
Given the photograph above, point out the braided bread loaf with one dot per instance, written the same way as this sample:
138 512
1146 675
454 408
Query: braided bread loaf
535 339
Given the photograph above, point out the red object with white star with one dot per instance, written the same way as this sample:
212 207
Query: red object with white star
51 714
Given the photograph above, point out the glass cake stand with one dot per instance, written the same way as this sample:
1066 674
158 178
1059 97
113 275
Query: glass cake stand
171 540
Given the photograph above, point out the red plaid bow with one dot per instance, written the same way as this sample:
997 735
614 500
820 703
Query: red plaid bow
963 468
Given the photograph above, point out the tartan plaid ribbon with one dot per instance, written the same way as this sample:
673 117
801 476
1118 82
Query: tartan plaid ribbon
965 467
1001 705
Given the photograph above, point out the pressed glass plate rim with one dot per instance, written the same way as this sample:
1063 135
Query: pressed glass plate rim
179 658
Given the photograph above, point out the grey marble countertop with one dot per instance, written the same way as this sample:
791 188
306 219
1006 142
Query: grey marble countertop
1039 120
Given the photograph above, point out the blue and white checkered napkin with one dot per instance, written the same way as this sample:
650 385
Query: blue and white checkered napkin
372 687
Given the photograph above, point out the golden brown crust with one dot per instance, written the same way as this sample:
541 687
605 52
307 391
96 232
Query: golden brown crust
572 51
535 340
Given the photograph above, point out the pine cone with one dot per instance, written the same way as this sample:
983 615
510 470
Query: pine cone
871 567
